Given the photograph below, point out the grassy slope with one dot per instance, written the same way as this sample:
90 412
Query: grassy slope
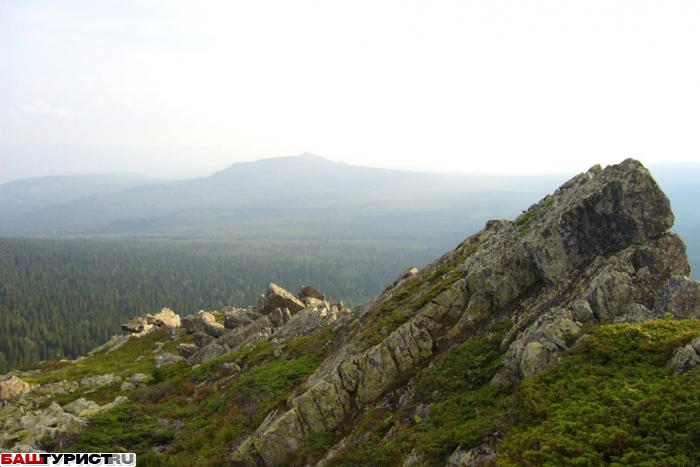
611 401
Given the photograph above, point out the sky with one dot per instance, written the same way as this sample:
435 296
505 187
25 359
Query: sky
180 88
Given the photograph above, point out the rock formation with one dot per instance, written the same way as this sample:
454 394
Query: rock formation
596 250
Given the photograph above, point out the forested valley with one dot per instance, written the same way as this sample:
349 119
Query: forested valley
59 298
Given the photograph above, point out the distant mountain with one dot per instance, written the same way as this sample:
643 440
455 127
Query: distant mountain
290 197
300 197
32 194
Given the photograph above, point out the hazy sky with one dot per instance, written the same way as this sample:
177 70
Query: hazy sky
179 88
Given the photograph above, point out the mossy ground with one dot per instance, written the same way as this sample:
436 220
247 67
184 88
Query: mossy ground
611 401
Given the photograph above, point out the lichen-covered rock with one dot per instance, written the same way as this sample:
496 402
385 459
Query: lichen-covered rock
237 318
12 387
680 297
100 380
277 297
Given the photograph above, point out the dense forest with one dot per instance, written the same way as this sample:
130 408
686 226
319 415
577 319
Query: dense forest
61 298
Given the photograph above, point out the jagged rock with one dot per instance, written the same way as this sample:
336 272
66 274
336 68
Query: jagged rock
168 359
12 387
138 326
680 297
277 297
311 292
595 250
310 320
207 353
198 322
158 346
279 317
238 318
187 350
166 317
100 380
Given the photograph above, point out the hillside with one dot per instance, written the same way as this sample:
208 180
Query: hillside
565 337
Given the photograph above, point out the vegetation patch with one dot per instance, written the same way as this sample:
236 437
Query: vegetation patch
611 402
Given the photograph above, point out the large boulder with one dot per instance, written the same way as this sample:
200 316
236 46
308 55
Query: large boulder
311 292
166 317
277 297
138 326
237 318
12 387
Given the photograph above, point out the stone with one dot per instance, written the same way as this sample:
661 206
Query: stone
187 350
277 297
680 297
197 323
207 353
311 292
100 380
138 326
166 317
140 378
238 318
168 359
12 387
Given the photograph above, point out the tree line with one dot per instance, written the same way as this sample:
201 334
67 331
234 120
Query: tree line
59 298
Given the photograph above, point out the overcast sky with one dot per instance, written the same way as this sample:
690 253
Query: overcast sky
186 88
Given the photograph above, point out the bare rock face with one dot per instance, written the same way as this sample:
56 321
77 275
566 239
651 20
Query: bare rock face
277 297
679 297
12 387
597 250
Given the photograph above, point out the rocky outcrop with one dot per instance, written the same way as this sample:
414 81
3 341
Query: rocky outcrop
277 297
680 298
596 250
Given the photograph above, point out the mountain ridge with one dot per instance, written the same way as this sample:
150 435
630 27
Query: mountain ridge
451 365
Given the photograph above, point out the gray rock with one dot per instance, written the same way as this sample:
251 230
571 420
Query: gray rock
140 378
207 353
198 322
168 359
277 297
311 292
238 318
187 350
680 297
100 380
